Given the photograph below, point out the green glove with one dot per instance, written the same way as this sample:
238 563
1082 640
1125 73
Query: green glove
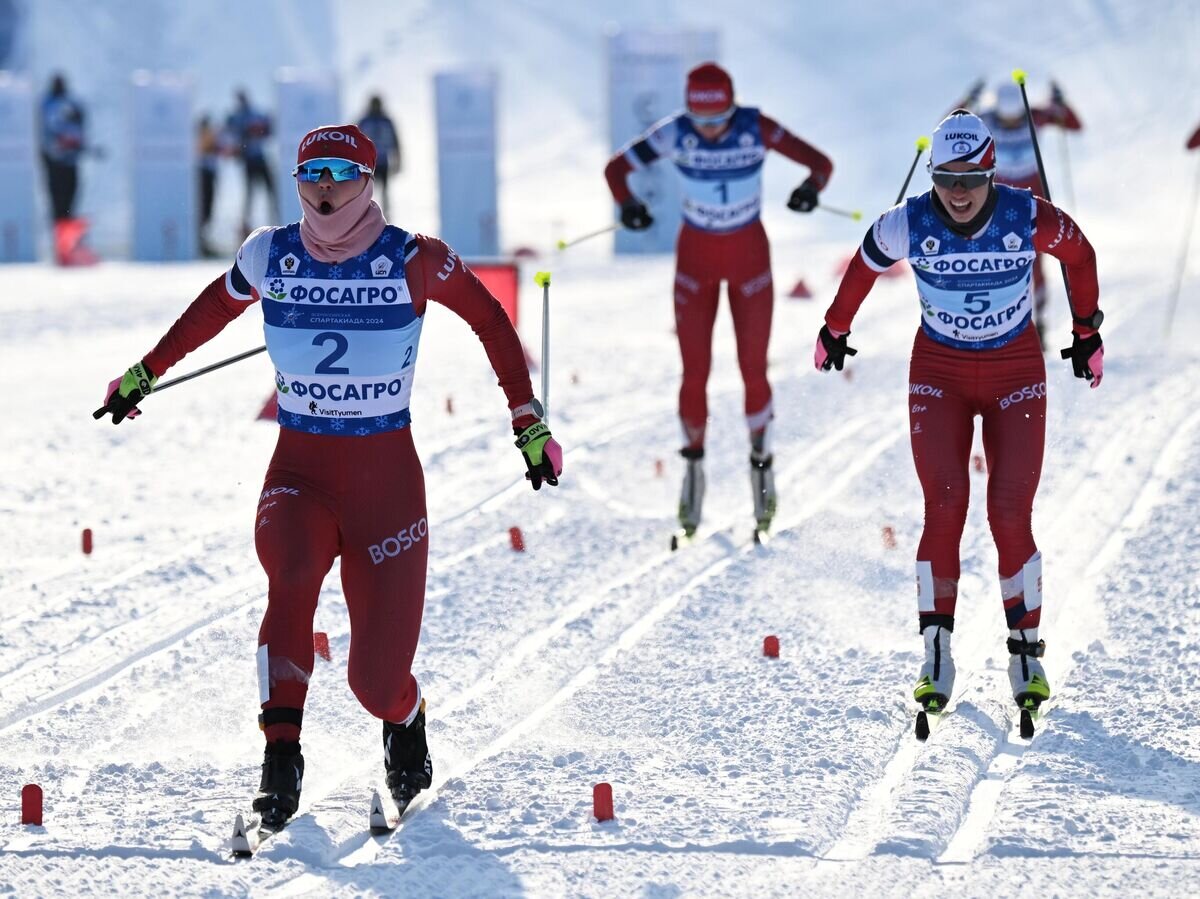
125 392
543 455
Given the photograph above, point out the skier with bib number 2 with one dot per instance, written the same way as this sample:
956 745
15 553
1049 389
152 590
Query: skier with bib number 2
343 295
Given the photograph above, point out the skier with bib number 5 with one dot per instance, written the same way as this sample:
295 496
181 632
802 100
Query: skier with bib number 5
345 478
718 148
971 243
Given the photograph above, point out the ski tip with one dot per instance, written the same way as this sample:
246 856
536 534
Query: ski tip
240 842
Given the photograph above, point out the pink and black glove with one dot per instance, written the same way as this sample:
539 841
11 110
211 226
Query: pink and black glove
125 392
831 349
1087 357
543 455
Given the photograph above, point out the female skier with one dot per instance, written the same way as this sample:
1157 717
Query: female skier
718 148
971 243
343 295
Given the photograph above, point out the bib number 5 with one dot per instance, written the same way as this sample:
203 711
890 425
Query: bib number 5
979 298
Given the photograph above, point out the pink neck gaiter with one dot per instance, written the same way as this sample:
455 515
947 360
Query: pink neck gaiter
345 232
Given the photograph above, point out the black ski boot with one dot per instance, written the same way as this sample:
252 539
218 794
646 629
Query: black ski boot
279 791
406 759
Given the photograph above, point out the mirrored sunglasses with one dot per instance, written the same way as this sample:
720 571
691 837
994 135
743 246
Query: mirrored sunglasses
339 170
707 121
969 180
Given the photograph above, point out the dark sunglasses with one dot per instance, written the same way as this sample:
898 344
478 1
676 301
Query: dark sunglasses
969 180
339 170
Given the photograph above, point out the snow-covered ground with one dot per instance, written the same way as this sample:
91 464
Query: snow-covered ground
127 679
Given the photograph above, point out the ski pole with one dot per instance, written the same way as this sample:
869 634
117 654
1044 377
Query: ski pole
1018 76
563 244
543 280
922 146
158 388
848 213
1183 254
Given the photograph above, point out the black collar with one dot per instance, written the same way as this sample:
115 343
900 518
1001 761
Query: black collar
975 225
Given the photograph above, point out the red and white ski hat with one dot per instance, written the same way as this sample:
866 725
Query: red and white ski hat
337 142
962 137
709 90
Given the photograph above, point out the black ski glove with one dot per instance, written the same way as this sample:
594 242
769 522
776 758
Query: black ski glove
831 351
125 392
803 198
1087 357
635 216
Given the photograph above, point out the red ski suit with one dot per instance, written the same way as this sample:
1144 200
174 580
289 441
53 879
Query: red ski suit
360 497
1006 386
706 256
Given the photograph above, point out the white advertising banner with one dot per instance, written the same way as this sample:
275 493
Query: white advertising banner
647 71
304 101
20 174
162 145
466 146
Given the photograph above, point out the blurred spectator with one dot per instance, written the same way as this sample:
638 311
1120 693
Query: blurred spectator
379 127
248 130
208 148
62 135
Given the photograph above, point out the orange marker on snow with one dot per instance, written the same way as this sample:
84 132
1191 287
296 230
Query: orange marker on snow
321 645
517 539
602 802
771 647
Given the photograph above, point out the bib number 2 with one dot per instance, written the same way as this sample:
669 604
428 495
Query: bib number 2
340 346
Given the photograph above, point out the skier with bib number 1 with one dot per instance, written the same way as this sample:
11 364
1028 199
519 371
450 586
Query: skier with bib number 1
718 148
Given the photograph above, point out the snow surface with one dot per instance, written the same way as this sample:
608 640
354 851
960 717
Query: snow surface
127 680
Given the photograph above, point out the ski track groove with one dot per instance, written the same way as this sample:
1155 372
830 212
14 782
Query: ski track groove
968 841
364 849
868 822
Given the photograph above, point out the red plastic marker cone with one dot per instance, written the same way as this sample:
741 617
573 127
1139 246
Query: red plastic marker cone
31 804
270 408
771 647
517 540
800 291
602 803
321 645
87 541
889 537
449 405
978 460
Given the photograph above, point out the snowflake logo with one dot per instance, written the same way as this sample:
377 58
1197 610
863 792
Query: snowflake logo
335 271
309 272
291 316
1010 215
972 246
993 231
927 220
386 237
295 418
337 424
362 432
361 257
314 430
381 421
275 250
294 235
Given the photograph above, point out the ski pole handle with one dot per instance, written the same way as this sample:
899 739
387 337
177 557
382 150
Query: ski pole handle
922 146
543 280
564 244
158 388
